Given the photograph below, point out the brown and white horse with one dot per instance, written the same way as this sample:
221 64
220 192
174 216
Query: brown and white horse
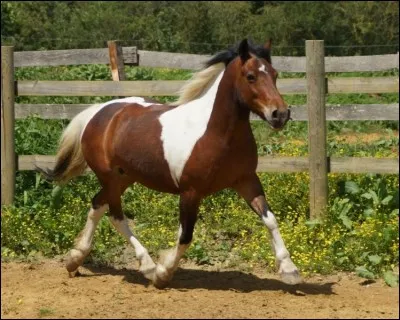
194 147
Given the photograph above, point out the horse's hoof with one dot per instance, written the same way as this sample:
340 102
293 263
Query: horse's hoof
72 266
291 278
74 274
160 284
161 277
74 260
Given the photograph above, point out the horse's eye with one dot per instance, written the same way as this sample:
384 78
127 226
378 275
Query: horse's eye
251 77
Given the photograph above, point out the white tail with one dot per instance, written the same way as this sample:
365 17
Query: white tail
70 161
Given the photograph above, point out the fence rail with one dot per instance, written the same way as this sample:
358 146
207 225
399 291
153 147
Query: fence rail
117 57
70 57
195 61
171 87
267 164
356 112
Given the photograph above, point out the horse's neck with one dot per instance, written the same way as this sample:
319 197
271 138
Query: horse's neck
228 117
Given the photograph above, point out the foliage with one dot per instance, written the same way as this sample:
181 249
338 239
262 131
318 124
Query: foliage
202 26
359 234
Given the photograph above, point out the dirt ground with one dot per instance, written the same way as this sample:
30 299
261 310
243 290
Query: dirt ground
44 290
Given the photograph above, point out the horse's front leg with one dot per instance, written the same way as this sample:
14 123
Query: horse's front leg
251 190
169 259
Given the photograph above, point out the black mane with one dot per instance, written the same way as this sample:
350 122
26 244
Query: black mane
228 55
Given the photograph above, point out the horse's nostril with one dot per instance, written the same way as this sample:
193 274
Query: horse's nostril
275 114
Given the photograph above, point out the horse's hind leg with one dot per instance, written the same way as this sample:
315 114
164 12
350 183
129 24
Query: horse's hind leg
251 190
119 221
83 242
169 260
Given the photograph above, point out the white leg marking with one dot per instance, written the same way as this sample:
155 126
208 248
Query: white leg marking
287 268
147 266
84 241
171 257
183 126
169 262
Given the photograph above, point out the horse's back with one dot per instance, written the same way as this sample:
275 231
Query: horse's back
124 137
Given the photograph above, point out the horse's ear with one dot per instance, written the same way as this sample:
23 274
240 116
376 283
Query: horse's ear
244 50
268 44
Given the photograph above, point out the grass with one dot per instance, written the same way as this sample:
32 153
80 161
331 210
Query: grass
45 312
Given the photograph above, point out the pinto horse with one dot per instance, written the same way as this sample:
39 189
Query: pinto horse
194 147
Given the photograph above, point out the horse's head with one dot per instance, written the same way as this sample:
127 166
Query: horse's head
256 85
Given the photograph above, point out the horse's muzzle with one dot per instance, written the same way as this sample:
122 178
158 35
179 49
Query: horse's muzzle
278 118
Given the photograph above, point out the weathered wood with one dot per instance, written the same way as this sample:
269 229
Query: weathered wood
70 57
49 111
268 164
282 164
352 112
363 85
99 88
317 128
195 61
7 126
171 87
340 64
362 63
28 162
362 112
125 88
289 64
280 63
298 113
116 61
363 165
335 164
171 60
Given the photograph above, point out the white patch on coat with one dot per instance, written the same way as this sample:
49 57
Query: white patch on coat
183 126
87 115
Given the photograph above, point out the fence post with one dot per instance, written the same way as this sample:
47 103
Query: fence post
8 163
116 60
315 69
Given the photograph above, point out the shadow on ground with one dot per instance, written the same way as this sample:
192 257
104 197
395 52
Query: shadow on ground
186 279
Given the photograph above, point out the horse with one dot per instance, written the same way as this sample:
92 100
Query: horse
193 147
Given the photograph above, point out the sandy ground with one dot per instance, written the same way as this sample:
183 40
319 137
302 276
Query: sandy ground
44 290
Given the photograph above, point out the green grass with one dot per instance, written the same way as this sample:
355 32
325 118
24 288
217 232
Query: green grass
45 312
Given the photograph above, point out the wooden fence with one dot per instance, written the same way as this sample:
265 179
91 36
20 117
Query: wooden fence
316 86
